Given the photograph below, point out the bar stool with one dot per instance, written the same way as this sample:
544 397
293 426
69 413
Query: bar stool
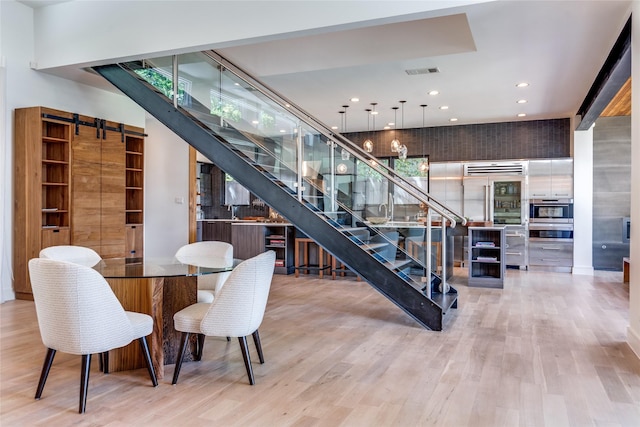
324 258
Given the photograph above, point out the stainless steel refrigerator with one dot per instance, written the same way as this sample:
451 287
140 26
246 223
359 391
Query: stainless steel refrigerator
494 199
500 199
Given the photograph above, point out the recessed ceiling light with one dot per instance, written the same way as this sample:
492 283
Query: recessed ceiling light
521 101
444 107
375 113
522 115
433 92
453 119
282 131
334 127
523 84
354 99
255 122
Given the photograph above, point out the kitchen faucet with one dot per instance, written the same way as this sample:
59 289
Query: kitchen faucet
383 205
233 210
388 207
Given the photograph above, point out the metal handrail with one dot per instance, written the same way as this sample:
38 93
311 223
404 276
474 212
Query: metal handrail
337 138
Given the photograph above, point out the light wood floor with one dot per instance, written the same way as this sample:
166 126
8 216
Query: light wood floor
548 350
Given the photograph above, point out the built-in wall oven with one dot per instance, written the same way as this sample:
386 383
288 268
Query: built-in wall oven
551 210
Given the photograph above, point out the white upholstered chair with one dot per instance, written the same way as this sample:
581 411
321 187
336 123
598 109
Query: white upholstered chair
208 254
75 254
78 313
236 311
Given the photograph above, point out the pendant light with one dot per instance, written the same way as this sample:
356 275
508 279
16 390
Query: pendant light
395 142
368 143
424 165
402 149
344 154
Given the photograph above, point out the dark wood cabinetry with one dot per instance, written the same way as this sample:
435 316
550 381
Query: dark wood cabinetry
251 239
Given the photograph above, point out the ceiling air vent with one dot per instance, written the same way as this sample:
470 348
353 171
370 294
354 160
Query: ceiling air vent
479 169
417 71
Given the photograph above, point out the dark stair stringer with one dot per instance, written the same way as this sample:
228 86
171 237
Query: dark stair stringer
428 312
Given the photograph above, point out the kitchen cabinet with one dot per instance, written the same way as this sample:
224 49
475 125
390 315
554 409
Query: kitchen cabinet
516 238
551 179
445 184
551 254
487 256
219 230
253 238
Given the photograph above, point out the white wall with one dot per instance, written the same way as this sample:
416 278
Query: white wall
166 161
633 334
26 88
583 202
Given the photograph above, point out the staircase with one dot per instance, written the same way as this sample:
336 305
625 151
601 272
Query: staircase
297 166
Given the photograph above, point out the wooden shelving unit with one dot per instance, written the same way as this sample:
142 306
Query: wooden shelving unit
56 139
134 187
78 180
42 189
487 256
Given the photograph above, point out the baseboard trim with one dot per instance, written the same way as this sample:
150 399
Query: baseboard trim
633 339
585 271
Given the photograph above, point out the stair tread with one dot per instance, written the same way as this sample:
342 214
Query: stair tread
445 301
351 229
373 246
397 263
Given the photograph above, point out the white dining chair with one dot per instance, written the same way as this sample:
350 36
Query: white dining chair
236 311
70 253
211 254
78 313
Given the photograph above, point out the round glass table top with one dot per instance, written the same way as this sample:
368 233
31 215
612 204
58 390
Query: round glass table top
124 268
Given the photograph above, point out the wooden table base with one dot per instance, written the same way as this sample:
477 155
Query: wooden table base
160 298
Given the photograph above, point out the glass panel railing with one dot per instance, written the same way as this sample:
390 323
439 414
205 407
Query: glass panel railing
342 183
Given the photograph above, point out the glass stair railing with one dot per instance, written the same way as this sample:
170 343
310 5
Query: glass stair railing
326 186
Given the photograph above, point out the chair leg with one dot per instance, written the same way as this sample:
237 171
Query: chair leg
184 341
46 366
104 358
147 358
247 358
256 340
199 347
84 382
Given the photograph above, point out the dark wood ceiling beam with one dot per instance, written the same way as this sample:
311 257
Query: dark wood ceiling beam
612 76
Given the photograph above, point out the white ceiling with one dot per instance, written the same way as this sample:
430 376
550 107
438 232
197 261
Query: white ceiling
481 51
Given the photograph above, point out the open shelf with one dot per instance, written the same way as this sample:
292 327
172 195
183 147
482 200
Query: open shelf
486 256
